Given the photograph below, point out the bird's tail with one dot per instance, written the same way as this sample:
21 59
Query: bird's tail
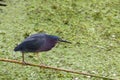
17 48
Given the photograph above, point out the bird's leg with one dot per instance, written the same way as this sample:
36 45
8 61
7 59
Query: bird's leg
23 58
37 55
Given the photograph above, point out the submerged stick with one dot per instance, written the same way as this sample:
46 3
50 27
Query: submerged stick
58 69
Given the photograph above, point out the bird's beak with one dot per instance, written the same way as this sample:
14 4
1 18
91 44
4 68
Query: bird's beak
61 40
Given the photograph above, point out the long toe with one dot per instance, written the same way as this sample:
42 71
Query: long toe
24 63
43 64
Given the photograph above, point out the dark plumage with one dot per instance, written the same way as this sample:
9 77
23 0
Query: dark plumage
38 43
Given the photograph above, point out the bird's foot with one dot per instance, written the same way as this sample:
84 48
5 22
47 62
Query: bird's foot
43 64
24 63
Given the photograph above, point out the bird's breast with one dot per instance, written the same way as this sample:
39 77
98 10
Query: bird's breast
48 46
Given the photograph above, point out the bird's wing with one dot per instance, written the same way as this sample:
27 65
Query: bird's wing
32 44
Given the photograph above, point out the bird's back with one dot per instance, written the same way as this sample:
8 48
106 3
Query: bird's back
31 43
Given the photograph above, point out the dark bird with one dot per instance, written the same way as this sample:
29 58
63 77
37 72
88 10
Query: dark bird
38 43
